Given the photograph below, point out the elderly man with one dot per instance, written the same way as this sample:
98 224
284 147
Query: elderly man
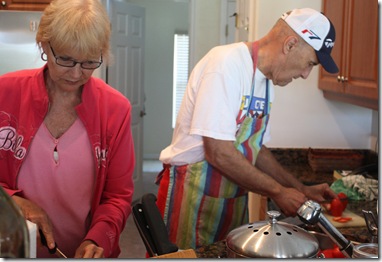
217 154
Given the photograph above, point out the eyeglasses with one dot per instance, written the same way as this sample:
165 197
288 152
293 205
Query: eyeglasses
67 62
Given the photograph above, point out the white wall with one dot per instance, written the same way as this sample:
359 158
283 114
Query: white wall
204 28
301 117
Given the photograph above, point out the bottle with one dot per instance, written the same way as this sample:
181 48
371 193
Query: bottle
14 235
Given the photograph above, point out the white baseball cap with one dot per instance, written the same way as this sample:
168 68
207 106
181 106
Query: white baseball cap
317 30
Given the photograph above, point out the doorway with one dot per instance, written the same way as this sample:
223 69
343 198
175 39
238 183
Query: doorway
126 72
161 20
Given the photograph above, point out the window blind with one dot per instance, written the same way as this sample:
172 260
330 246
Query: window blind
181 54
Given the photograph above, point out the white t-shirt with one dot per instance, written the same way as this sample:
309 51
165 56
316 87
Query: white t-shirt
216 89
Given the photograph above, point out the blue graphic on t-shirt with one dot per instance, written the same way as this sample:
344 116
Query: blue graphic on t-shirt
257 107
255 110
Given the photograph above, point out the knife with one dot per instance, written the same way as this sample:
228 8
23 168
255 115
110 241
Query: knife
156 225
54 250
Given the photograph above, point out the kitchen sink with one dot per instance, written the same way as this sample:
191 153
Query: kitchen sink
324 241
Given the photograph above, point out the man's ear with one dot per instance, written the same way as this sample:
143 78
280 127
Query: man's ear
290 43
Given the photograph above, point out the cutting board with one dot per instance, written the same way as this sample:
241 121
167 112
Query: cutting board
188 253
357 221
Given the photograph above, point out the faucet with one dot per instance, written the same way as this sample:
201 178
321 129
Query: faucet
310 213
372 225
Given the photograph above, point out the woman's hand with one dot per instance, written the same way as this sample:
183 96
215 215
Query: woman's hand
88 249
37 215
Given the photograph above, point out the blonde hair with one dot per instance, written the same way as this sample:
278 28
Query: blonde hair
81 25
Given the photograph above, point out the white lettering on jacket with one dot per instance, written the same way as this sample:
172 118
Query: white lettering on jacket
101 155
10 141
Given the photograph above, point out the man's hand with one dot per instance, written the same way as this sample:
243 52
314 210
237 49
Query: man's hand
320 192
289 200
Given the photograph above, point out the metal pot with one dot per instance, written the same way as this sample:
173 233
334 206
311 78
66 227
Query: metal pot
271 239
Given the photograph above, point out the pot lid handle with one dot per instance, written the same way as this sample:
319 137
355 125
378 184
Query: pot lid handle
273 215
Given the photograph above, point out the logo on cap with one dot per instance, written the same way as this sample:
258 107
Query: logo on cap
329 43
313 35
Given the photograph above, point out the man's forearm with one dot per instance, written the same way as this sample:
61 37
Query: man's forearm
269 165
235 167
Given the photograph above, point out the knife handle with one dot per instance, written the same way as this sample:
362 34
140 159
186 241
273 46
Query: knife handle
156 225
43 241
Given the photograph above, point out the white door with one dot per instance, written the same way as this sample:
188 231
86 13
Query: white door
231 29
126 71
228 22
242 26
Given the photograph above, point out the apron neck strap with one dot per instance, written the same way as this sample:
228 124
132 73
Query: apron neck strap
255 49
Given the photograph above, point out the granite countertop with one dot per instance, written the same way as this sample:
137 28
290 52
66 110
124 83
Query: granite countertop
296 162
356 234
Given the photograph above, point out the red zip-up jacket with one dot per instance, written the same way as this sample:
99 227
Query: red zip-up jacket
106 115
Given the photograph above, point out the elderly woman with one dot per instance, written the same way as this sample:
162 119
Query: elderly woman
66 149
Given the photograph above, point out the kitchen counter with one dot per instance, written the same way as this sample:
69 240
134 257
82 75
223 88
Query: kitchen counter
296 161
357 234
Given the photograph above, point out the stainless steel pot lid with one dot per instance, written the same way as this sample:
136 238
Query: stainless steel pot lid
272 239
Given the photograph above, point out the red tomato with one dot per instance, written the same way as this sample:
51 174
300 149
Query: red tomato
344 199
336 207
344 219
336 252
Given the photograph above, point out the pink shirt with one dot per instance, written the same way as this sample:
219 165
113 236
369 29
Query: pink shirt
63 186
106 115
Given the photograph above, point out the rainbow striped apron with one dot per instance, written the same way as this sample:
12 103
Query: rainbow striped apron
198 204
